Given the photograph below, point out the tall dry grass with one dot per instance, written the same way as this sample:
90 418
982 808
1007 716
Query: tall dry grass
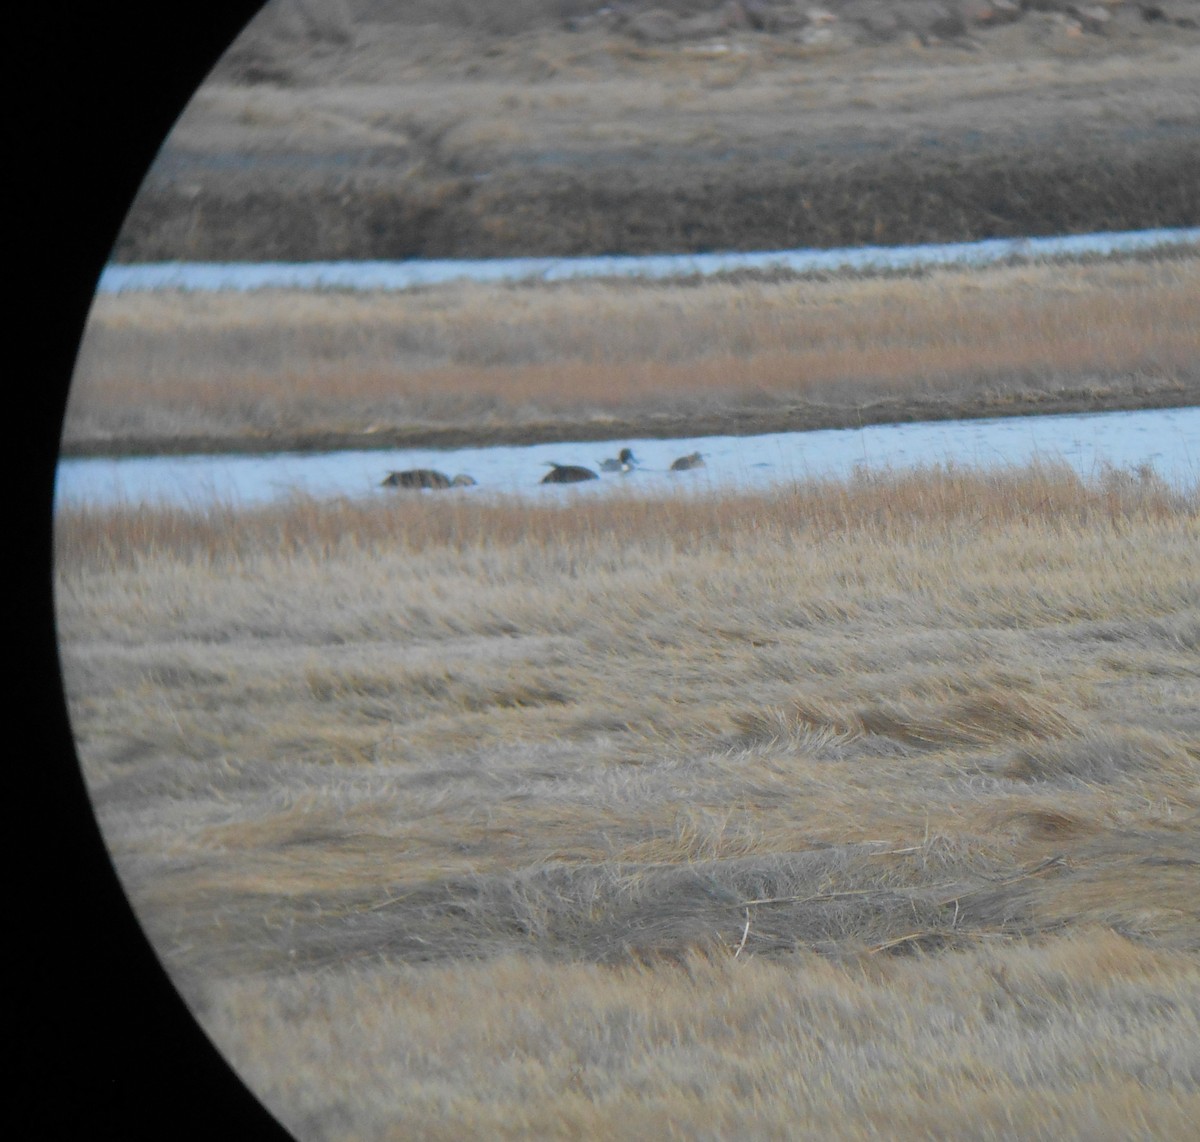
489 356
854 807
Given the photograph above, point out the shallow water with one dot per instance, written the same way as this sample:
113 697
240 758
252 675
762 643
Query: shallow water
406 275
1167 439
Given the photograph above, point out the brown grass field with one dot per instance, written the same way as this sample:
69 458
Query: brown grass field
466 364
853 810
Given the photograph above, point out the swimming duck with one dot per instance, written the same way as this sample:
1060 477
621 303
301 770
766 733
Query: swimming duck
425 478
693 460
567 474
623 463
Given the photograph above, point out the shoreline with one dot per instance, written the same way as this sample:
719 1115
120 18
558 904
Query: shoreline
662 425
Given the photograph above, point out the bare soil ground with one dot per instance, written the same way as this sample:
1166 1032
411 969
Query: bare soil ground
426 130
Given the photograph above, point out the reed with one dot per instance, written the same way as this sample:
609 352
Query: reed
888 505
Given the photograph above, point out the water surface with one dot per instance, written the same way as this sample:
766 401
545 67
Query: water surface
408 274
1167 439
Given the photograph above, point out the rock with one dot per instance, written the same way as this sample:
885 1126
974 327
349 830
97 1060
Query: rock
926 19
773 17
880 21
825 32
732 15
654 27
1094 18
1053 27
1181 13
932 19
990 13
1127 21
311 20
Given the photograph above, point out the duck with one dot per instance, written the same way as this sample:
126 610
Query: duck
623 463
693 460
425 478
567 474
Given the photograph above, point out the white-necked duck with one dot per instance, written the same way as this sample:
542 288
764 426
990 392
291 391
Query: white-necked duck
623 463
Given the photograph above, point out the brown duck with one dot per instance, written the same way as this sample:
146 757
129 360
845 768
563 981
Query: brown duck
425 478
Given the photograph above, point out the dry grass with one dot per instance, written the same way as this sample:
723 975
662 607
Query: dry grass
463 140
986 1045
487 358
852 810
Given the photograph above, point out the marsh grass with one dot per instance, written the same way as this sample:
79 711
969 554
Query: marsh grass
855 807
503 356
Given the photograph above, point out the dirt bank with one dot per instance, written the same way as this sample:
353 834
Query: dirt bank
1134 393
565 129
